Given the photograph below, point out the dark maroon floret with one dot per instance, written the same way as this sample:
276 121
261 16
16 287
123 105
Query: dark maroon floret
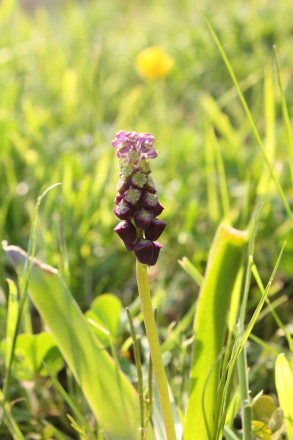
157 249
125 210
132 195
144 251
149 200
129 246
150 185
143 218
157 210
155 229
126 231
123 184
118 198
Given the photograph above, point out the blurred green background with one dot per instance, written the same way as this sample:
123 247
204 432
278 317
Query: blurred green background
68 82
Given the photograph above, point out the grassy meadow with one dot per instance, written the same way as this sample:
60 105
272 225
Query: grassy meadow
68 82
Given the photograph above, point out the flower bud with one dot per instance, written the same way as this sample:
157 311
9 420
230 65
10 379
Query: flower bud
128 169
130 246
132 195
149 200
157 249
144 166
118 198
125 148
138 179
126 231
125 210
155 229
143 218
152 154
133 156
144 251
123 184
158 209
150 185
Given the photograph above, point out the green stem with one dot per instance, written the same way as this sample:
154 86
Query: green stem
152 335
243 382
151 381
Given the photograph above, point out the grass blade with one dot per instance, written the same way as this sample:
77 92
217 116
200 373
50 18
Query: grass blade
12 315
285 113
191 270
262 300
222 176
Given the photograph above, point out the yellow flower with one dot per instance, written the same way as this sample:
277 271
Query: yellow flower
154 63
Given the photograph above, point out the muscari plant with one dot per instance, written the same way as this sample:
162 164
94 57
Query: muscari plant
119 410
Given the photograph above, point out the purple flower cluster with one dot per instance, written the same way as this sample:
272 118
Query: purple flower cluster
138 205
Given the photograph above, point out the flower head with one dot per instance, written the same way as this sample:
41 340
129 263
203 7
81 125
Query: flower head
154 63
137 202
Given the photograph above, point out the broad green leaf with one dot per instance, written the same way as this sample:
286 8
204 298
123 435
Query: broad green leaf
261 430
210 329
12 315
105 311
284 384
109 393
30 351
263 409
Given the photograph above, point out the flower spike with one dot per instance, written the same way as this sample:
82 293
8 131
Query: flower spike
138 206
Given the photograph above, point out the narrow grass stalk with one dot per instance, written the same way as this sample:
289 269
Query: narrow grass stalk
264 345
244 391
285 113
151 330
222 176
229 434
9 420
250 118
139 373
273 312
